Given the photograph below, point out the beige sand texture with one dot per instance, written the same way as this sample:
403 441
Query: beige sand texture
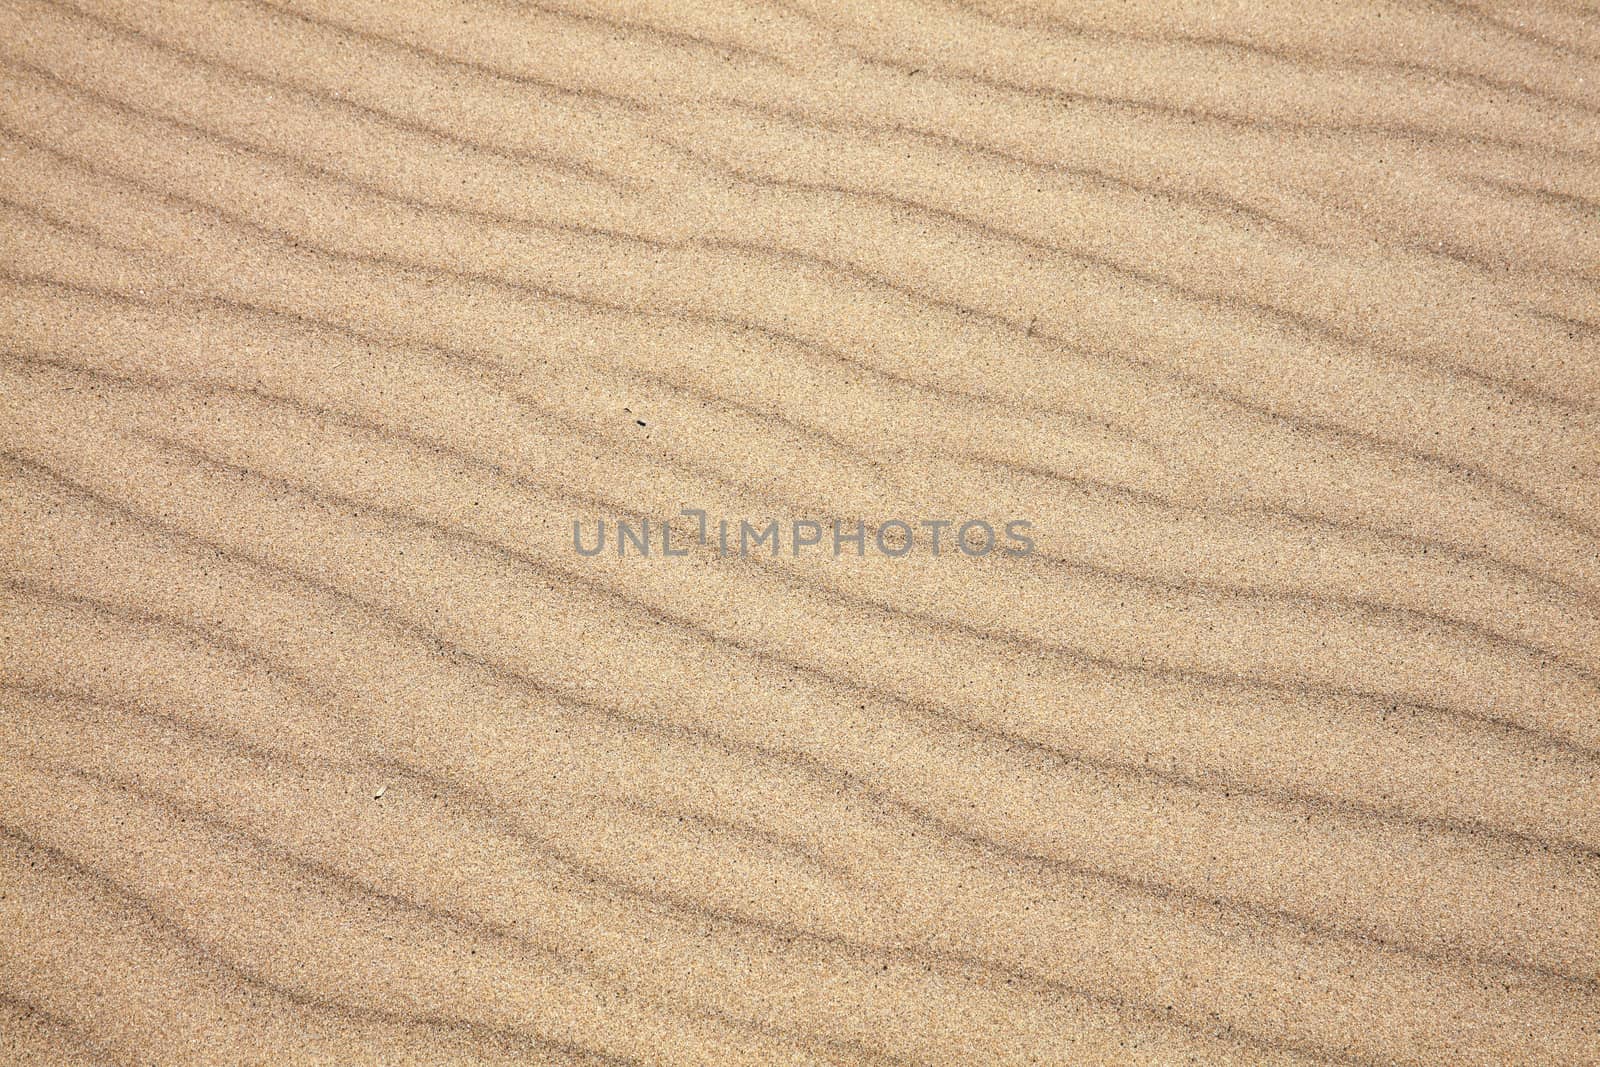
325 320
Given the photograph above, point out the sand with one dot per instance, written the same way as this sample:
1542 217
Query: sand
1276 327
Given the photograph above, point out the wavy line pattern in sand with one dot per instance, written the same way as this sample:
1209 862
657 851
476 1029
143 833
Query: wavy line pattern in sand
325 321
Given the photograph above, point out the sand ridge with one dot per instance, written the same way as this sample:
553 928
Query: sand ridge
325 322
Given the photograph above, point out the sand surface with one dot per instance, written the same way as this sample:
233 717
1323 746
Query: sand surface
324 323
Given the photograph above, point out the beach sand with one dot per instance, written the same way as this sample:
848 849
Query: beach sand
1265 339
